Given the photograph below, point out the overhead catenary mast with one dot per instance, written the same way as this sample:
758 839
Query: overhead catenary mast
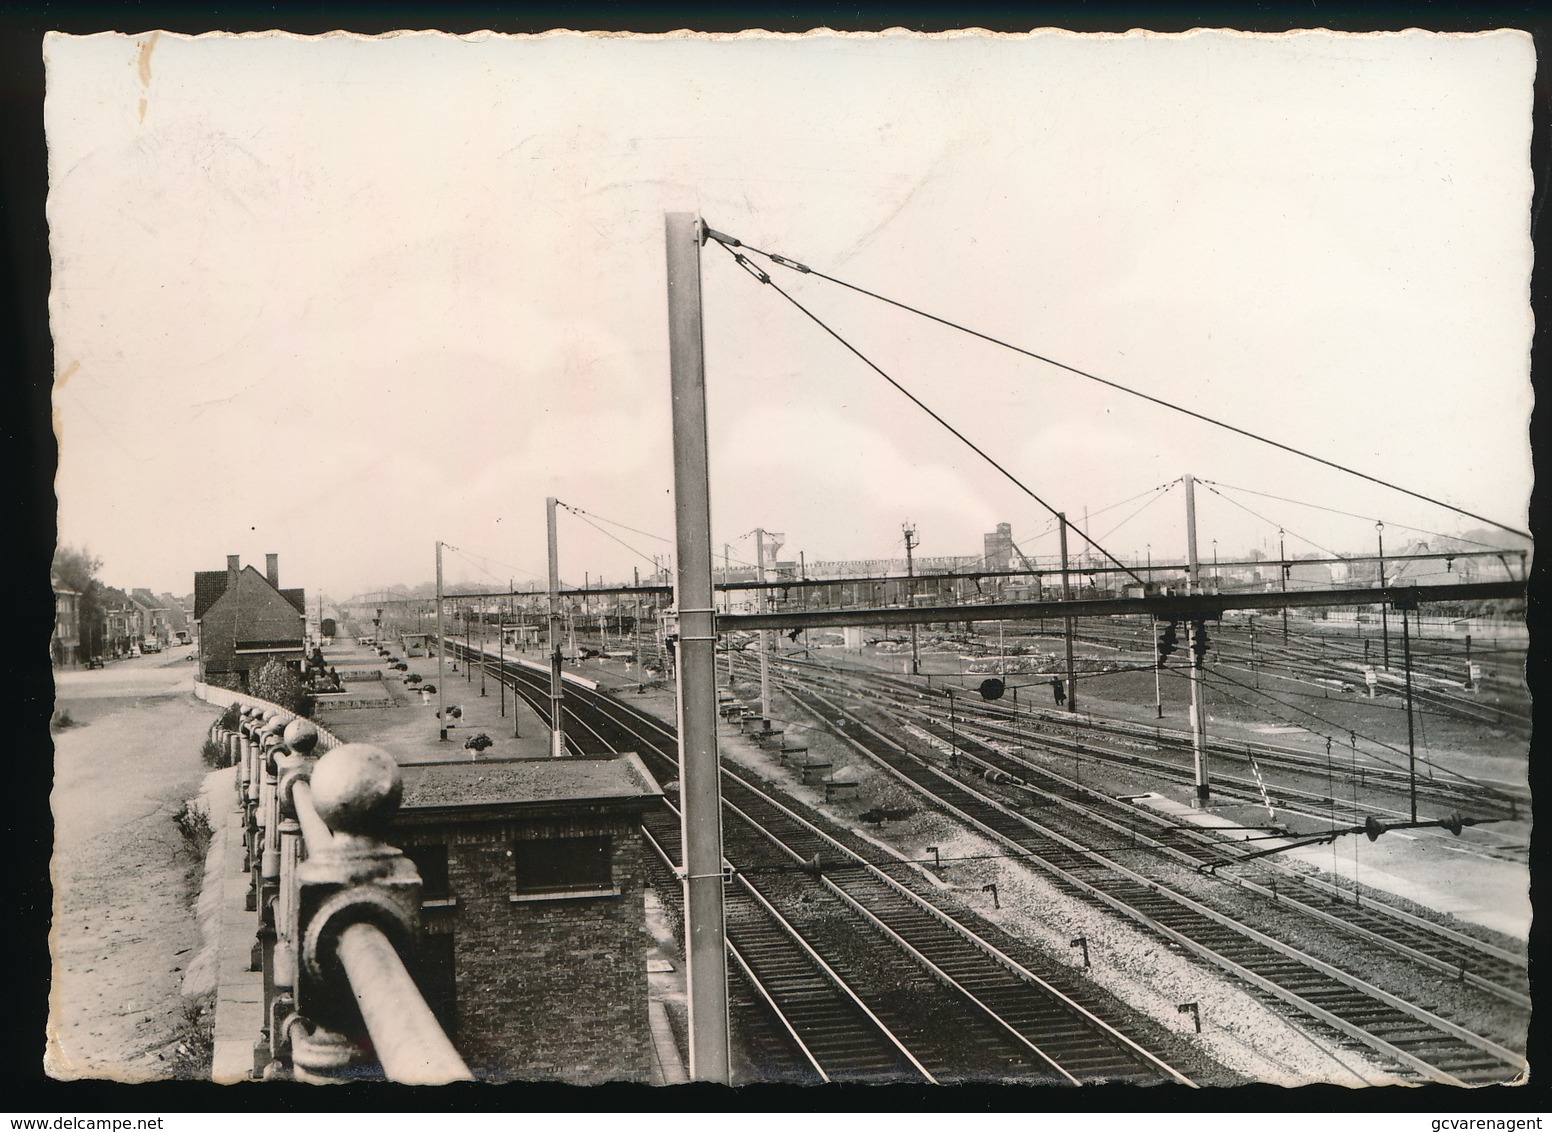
441 651
1198 651
910 594
765 634
557 694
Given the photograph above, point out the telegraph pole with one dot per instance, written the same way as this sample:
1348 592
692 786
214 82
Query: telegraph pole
910 594
765 634
557 695
1072 681
699 771
441 651
1198 650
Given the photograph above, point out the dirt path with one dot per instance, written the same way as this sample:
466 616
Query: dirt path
123 925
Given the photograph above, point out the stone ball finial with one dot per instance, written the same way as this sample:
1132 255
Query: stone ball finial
357 788
301 735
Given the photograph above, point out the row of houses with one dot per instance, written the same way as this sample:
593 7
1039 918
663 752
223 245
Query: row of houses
128 619
241 618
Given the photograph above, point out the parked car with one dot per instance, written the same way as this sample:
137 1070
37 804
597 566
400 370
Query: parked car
151 644
94 662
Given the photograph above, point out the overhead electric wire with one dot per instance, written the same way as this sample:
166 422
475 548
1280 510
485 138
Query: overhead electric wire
469 556
1348 514
581 515
806 270
743 262
1137 512
612 522
1280 527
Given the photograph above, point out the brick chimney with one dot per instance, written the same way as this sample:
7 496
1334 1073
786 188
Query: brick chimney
232 568
272 569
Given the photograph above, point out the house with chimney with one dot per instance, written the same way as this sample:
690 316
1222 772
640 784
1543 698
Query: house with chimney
245 619
153 614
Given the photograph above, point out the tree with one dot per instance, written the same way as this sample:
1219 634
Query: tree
76 570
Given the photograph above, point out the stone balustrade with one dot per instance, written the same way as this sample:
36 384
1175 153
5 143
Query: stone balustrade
337 907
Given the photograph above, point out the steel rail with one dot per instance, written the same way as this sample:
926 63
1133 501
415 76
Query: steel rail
949 921
748 974
971 937
990 950
638 719
835 978
785 930
1002 729
1203 837
1500 1053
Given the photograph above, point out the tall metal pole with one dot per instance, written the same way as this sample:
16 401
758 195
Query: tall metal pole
1282 566
1072 680
699 773
727 605
484 662
557 695
765 634
501 658
910 595
1158 663
1198 710
1384 609
441 652
1406 650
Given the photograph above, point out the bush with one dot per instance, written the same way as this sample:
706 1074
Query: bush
194 823
276 683
477 743
214 753
231 718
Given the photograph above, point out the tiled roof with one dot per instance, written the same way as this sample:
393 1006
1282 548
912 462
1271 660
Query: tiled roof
297 598
208 586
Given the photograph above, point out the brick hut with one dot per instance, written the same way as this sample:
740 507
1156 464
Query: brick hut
534 942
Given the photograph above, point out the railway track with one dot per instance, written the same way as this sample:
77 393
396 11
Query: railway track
1167 752
1416 1041
867 980
991 740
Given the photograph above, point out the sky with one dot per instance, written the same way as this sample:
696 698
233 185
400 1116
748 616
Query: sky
340 298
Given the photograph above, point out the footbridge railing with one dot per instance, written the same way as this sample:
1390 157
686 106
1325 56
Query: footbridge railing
337 907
